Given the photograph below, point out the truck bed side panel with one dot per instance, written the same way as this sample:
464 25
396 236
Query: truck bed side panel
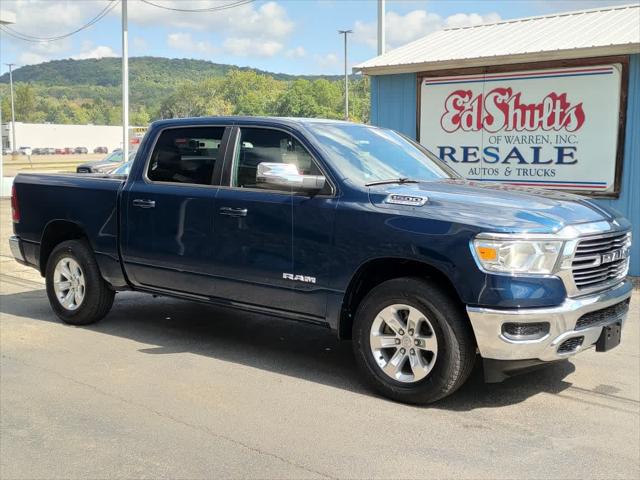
90 202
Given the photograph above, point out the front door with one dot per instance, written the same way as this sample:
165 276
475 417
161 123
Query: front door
169 222
272 244
253 234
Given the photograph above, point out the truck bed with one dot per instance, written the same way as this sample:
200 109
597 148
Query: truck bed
53 200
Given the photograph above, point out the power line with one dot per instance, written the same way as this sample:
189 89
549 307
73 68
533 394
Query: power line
217 8
33 39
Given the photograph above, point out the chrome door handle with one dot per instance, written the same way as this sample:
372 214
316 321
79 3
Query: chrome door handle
233 212
143 203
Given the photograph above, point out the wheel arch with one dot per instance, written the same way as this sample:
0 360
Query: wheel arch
56 232
374 272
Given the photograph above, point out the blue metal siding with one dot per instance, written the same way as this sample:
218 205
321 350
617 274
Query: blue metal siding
393 105
629 201
393 102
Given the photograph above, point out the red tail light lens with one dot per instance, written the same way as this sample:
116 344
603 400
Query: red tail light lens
15 209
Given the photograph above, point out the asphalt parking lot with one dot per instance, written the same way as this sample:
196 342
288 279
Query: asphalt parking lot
163 388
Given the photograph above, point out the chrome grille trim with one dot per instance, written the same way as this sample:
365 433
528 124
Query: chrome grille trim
588 271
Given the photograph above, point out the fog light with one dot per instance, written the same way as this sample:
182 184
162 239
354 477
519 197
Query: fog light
525 331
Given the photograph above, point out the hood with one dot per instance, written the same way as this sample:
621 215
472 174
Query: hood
499 208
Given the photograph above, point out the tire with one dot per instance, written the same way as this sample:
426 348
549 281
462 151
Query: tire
95 296
446 350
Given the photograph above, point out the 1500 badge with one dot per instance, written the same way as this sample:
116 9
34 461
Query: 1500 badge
299 278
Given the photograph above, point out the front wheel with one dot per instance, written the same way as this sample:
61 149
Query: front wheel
412 341
77 292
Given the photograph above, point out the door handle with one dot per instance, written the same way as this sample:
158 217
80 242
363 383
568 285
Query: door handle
143 203
233 212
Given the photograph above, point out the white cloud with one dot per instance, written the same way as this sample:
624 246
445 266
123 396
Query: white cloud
266 21
31 58
470 19
327 61
402 29
43 52
184 41
248 47
252 29
46 18
297 52
41 18
101 51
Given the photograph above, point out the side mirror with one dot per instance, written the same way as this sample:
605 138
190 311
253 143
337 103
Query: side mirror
286 175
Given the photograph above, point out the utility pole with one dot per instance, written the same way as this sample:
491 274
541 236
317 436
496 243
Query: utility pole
346 74
381 27
125 83
13 108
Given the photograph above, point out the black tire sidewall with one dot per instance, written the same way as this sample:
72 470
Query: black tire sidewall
81 253
440 310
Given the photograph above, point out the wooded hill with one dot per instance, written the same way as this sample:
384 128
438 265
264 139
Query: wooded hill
88 91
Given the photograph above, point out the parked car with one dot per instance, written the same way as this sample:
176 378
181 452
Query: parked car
106 165
50 151
101 150
345 226
68 150
25 151
80 150
59 151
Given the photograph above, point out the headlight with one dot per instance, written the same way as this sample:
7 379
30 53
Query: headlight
517 256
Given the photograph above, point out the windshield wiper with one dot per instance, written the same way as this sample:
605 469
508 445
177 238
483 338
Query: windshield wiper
400 180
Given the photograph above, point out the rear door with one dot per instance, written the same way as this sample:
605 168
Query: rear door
169 212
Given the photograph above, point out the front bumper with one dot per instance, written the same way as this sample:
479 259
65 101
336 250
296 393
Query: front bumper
493 344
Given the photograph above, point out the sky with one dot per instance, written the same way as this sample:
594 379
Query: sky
288 36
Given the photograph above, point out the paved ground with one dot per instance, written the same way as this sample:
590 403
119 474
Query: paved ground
167 389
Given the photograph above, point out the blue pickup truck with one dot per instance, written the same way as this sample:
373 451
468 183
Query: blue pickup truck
345 226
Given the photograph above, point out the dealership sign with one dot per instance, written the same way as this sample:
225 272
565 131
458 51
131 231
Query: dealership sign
553 128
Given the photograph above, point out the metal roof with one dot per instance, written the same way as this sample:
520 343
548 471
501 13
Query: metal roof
578 34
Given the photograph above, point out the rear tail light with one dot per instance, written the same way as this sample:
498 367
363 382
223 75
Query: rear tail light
15 209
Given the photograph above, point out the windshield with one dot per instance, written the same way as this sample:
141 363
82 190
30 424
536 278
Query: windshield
123 169
113 157
366 154
116 156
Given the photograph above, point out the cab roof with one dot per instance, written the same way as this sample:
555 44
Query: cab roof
232 120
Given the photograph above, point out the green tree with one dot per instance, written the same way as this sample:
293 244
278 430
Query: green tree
25 101
88 91
140 117
251 93
195 100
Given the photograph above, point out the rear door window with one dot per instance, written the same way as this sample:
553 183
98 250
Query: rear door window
186 155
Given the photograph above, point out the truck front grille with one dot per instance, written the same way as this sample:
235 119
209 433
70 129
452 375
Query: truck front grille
599 260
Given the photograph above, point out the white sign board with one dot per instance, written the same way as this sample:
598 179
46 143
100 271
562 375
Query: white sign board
552 128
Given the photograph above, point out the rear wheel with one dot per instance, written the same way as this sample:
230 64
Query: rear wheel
412 341
77 292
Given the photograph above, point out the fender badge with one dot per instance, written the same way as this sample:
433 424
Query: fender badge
409 200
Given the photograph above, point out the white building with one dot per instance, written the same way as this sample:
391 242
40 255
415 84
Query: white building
42 135
52 135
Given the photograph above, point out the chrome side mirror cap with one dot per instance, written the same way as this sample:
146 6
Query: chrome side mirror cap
286 175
